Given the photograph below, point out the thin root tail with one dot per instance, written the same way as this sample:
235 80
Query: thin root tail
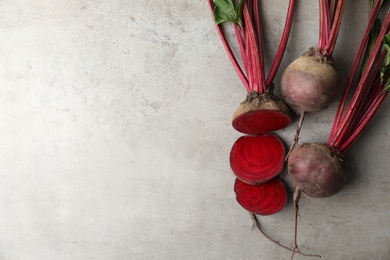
296 138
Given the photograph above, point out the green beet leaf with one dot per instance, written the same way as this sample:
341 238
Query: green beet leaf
385 72
372 41
228 11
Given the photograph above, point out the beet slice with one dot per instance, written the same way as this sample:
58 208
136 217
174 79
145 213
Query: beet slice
256 159
262 199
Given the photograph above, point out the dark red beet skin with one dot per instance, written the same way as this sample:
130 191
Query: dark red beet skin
316 169
256 159
263 199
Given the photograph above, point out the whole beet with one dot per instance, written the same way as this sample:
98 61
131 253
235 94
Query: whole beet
316 169
310 83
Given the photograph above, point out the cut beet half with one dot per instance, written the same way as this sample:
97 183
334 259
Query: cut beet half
257 158
261 121
261 113
263 199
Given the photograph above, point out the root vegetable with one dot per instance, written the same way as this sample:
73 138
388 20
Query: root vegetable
311 82
261 113
257 159
316 169
263 199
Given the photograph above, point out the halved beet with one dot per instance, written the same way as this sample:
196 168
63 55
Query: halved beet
262 199
261 113
261 121
257 158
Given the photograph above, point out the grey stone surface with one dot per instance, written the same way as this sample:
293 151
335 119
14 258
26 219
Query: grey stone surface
115 134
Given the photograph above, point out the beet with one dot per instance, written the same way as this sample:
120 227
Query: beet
316 169
261 113
256 159
310 83
263 199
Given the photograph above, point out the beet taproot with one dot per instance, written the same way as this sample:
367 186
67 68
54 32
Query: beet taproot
316 169
310 83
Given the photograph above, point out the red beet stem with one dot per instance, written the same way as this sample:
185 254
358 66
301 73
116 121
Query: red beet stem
363 114
366 119
254 53
353 73
332 9
324 24
372 104
348 128
229 51
250 42
240 40
336 24
331 13
283 43
257 25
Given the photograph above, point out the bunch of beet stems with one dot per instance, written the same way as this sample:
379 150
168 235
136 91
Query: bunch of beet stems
311 82
351 121
365 90
249 37
262 111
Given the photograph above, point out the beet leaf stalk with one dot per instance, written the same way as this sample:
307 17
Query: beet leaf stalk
372 89
311 82
262 111
316 169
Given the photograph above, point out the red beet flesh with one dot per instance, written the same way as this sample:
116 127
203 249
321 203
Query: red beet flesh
256 159
263 199
261 113
261 121
316 169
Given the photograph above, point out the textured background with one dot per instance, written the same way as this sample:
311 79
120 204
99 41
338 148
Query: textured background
115 134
